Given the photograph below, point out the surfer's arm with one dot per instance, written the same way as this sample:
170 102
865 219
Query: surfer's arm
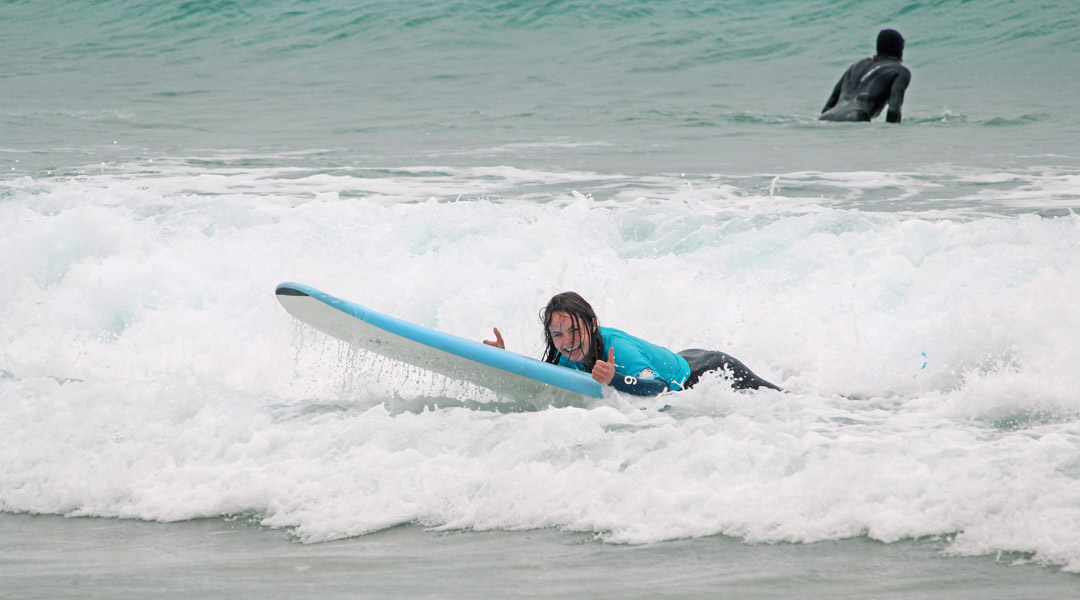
896 96
643 384
835 97
638 386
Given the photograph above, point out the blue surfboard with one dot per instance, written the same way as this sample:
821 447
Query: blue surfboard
506 373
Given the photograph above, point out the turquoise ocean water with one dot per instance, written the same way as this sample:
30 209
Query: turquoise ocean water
163 165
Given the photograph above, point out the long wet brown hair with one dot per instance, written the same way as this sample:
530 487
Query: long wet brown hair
583 317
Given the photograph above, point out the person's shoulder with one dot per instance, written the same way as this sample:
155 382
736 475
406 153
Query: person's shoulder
888 64
617 335
893 63
860 66
612 332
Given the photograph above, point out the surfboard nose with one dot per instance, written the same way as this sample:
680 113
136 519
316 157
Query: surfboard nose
287 289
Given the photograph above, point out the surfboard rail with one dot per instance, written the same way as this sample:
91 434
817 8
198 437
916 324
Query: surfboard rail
502 371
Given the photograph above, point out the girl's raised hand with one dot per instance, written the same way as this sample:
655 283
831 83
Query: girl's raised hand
498 343
604 371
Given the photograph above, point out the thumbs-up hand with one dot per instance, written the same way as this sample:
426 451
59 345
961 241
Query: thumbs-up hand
604 371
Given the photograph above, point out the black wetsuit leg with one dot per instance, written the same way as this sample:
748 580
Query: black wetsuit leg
703 361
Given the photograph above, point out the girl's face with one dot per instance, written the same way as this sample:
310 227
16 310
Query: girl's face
568 337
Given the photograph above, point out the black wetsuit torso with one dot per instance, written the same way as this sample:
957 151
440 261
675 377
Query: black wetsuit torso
865 88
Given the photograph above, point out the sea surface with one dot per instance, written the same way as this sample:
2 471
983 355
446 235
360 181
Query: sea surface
167 429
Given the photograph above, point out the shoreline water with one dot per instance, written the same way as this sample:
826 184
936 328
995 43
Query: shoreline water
57 557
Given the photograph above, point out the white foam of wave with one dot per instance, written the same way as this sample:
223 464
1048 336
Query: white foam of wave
149 372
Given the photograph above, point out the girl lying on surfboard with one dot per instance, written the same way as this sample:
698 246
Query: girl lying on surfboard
626 363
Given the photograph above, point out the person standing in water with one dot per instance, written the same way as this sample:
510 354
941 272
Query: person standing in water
869 84
629 364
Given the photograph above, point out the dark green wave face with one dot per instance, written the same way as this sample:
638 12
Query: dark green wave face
664 80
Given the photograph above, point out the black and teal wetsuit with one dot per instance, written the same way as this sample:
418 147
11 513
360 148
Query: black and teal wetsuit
645 369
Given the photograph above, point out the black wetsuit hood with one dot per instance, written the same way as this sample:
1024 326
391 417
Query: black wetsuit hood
890 43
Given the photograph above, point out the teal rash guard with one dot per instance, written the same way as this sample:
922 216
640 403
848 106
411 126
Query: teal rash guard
641 368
